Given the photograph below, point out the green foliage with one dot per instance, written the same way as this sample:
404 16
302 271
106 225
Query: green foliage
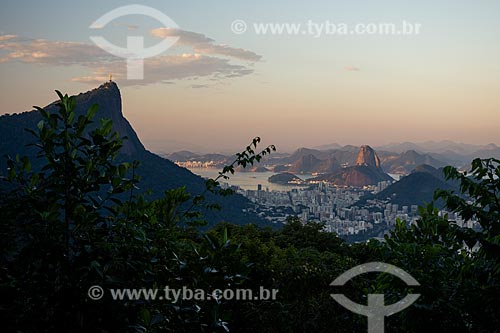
482 203
429 251
301 268
458 268
310 235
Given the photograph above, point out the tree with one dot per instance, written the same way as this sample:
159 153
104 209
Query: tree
78 222
458 268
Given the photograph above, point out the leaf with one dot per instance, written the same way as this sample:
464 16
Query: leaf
92 111
61 97
146 316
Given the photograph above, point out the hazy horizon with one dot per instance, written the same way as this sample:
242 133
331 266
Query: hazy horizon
216 89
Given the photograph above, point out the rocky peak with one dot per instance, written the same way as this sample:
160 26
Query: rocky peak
107 96
367 156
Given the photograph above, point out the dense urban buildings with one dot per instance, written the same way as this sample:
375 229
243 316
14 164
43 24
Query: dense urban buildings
336 208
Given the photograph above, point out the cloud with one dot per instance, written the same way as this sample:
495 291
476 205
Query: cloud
208 60
205 45
171 67
47 52
199 86
186 37
7 37
352 69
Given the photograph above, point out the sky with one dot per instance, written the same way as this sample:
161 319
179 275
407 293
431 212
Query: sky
220 85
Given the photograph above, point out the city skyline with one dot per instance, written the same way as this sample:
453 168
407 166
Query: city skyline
293 90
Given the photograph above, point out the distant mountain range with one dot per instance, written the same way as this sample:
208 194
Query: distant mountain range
449 152
314 161
419 164
396 158
407 161
437 147
360 166
157 173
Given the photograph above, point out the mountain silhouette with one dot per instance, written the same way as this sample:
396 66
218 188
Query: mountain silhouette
305 164
157 174
416 188
405 162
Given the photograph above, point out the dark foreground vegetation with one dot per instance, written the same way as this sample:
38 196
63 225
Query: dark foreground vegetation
79 222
